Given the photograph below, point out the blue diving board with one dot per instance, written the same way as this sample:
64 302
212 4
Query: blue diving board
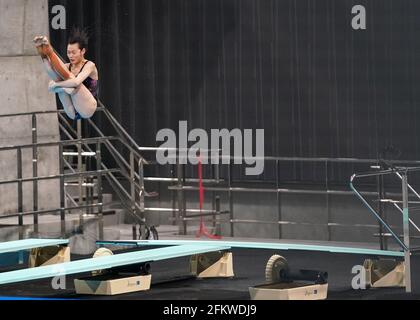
106 262
19 245
256 245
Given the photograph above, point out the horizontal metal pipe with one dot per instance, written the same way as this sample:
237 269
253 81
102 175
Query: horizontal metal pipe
157 179
198 219
384 172
39 112
207 214
83 154
195 218
176 210
172 149
269 190
220 220
286 159
331 224
200 213
57 176
57 143
28 213
84 184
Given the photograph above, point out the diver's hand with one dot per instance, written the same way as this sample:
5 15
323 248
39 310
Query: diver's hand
51 86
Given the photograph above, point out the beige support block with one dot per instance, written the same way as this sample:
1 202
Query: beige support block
384 273
101 286
48 255
221 269
289 291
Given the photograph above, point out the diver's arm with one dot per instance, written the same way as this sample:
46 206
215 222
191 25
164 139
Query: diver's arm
77 81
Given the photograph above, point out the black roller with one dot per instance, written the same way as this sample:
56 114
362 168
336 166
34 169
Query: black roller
277 271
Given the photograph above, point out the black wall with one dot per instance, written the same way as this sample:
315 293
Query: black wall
293 67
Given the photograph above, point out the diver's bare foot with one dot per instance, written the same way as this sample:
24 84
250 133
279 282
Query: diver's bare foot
41 40
42 45
38 41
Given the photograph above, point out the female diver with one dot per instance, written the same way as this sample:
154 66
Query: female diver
76 82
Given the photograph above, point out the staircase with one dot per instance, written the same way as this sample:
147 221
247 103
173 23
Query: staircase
108 195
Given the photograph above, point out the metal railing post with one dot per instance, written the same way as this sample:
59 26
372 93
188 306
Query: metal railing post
327 199
184 201
62 194
406 229
218 227
174 196
230 195
79 168
35 171
132 188
382 239
278 197
142 188
213 194
99 187
180 192
20 191
366 203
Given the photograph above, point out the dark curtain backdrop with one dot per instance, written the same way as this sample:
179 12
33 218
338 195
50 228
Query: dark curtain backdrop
295 68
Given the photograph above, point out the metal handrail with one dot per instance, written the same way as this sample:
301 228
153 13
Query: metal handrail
395 171
85 142
46 211
112 149
118 188
57 176
124 133
119 127
101 108
408 185
61 111
123 137
274 158
409 220
58 143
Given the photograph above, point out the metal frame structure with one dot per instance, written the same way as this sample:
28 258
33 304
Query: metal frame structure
132 171
402 174
133 197
180 184
86 148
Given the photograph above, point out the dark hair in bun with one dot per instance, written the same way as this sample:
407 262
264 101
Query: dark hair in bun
79 36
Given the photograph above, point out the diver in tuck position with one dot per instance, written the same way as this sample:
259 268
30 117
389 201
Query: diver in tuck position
76 82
